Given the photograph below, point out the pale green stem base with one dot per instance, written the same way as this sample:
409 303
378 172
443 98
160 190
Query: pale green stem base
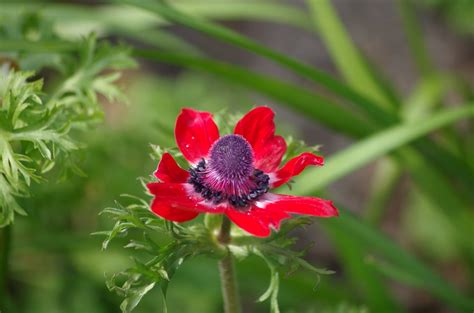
230 292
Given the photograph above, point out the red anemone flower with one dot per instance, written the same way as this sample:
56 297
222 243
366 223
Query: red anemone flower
232 174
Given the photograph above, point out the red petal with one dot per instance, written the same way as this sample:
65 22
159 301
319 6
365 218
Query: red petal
294 167
182 197
195 132
272 209
169 171
257 221
258 128
302 205
270 155
172 214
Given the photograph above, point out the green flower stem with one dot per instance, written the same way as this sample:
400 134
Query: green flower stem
230 292
5 239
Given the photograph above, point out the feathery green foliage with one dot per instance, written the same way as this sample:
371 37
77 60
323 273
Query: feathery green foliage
36 127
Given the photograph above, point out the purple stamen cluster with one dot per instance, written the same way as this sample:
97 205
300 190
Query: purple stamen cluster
196 179
229 174
259 178
231 158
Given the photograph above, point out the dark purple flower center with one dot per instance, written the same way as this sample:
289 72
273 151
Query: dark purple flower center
231 158
229 174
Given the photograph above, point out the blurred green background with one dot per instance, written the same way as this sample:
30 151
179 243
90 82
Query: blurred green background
396 159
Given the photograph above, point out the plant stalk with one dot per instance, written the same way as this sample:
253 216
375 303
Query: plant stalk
230 292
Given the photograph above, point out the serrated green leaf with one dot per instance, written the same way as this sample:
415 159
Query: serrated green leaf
35 135
134 297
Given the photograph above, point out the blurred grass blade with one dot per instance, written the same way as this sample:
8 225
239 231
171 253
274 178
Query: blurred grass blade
427 97
75 19
456 210
414 35
307 102
231 37
386 86
429 181
386 178
424 98
344 53
164 40
261 10
377 145
368 282
372 242
361 77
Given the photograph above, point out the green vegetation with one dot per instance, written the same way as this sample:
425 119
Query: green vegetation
79 119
